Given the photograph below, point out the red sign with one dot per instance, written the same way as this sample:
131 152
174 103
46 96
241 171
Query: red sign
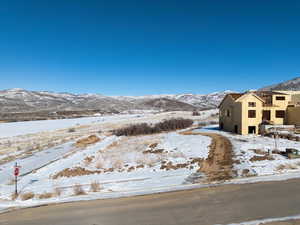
17 171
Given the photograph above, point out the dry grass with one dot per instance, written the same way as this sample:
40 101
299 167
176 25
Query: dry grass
258 151
152 146
84 142
88 160
286 167
95 186
77 171
170 166
112 145
14 196
261 158
153 151
45 195
27 196
78 190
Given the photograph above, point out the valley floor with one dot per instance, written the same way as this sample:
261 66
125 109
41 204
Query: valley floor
80 159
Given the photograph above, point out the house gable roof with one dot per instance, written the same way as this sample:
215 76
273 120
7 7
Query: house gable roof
250 93
239 97
233 96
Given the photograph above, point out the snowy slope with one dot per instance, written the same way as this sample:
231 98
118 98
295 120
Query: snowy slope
23 101
290 85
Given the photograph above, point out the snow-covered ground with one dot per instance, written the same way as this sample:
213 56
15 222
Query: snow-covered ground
249 151
31 127
124 166
143 164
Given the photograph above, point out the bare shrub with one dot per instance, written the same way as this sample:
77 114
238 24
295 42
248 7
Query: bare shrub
73 172
27 196
45 195
88 160
78 190
202 124
259 151
87 141
14 196
71 130
196 113
95 186
213 122
152 146
144 128
261 158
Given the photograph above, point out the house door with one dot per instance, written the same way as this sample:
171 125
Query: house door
252 130
266 115
222 126
236 129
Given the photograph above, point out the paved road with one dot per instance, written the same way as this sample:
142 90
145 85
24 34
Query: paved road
217 205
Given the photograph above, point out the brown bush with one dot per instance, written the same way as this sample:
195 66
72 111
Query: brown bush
82 143
144 128
88 160
95 186
77 171
202 124
152 146
14 196
71 130
261 158
78 190
153 151
27 196
196 113
46 195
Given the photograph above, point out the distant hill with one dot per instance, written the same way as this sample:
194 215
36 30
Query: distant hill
19 104
290 85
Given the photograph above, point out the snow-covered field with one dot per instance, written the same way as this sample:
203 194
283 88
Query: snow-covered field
55 169
142 164
31 127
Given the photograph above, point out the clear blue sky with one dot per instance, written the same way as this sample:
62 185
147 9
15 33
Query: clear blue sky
148 47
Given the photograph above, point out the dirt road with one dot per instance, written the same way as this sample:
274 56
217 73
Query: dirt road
218 166
218 205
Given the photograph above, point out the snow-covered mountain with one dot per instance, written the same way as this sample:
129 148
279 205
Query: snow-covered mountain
19 101
290 85
197 100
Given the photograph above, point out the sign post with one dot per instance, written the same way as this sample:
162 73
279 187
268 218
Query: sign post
16 173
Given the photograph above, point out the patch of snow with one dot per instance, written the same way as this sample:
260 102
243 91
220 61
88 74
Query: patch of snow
268 220
30 127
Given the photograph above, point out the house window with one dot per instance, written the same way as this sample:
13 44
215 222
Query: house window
227 112
251 104
280 113
251 113
280 98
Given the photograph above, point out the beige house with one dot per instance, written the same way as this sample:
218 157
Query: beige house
243 113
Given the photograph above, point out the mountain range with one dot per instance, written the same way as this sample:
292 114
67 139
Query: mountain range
19 104
290 85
